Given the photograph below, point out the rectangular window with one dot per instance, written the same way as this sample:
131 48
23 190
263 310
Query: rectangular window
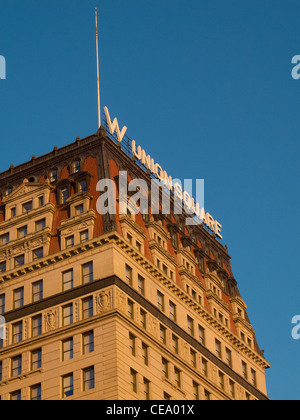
253 378
13 212
132 340
3 267
232 388
36 359
36 326
201 335
27 207
36 392
4 239
15 396
172 307
221 380
87 308
244 370
143 318
175 344
67 349
17 332
79 210
193 355
87 273
67 315
218 349
88 342
19 261
160 301
141 285
67 280
128 275
196 391
40 225
146 389
64 195
22 232
37 291
88 378
130 309
228 357
70 242
165 368
145 354
53 175
2 304
82 186
37 254
177 377
67 385
190 324
133 380
204 367
139 246
18 298
163 334
41 201
165 269
84 236
16 366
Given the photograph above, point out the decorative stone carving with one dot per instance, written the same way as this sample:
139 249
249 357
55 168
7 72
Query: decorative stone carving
104 302
51 320
121 301
153 326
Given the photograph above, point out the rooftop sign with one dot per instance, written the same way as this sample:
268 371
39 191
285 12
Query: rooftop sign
175 187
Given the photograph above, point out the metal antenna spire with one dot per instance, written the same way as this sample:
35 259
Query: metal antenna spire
98 75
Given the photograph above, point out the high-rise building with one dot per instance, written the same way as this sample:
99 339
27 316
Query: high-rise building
110 306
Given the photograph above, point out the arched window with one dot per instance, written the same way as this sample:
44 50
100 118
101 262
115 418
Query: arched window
53 175
76 167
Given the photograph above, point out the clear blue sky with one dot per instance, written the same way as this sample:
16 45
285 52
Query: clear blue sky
206 88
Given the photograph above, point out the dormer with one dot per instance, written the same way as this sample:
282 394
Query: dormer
27 197
186 259
132 232
26 232
158 244
79 227
158 234
187 269
214 289
243 326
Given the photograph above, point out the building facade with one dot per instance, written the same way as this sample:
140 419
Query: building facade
114 307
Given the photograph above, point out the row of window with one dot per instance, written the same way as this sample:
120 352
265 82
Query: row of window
143 385
26 207
35 357
37 292
36 322
67 386
191 330
172 314
176 375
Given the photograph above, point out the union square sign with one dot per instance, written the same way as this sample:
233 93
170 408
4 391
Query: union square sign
139 202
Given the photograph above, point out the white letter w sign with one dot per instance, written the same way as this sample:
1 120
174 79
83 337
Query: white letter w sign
114 127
